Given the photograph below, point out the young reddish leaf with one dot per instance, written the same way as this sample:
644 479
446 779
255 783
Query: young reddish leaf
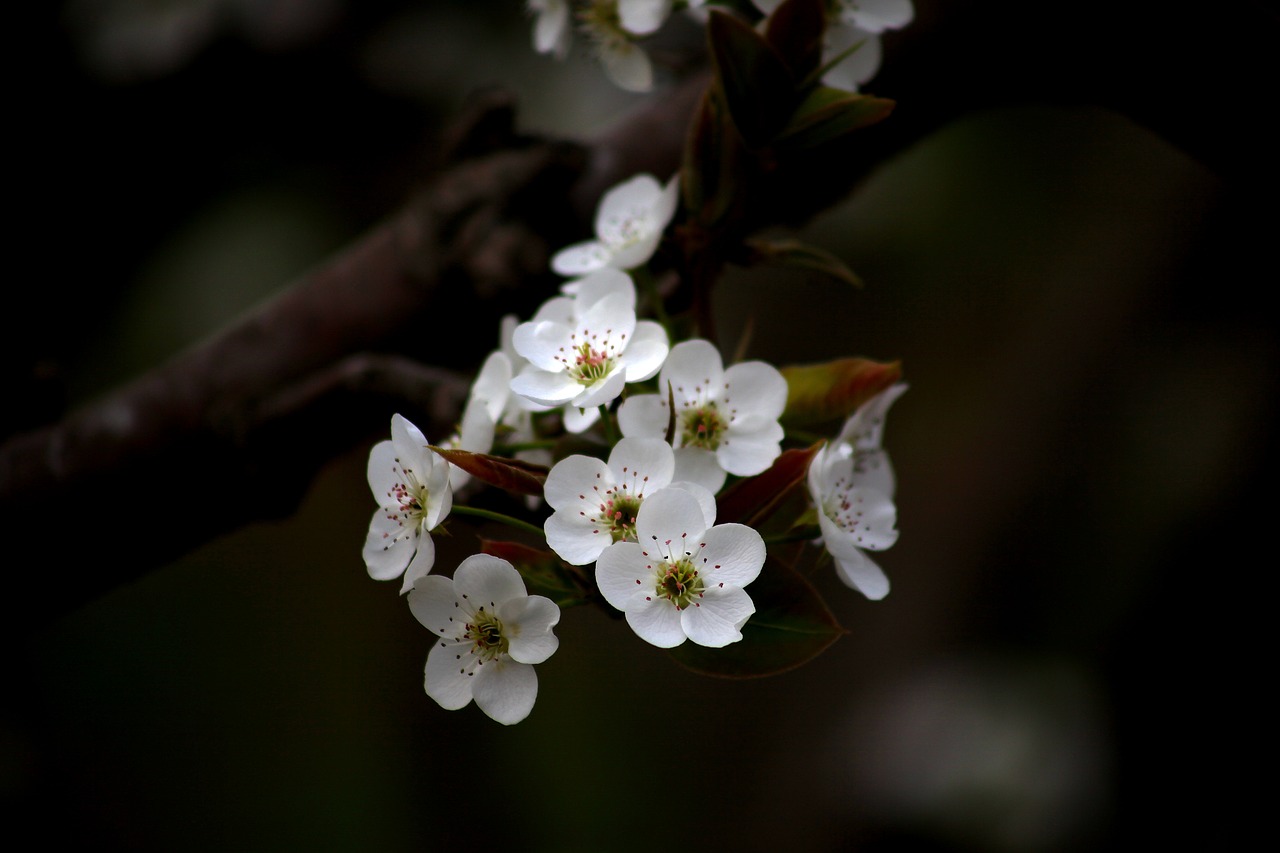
757 85
833 389
795 30
751 500
523 478
791 626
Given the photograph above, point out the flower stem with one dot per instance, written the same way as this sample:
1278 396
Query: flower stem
610 428
498 516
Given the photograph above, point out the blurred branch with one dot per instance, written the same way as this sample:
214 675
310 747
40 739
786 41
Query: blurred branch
233 430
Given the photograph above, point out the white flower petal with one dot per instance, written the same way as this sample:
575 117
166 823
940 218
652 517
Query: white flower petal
601 285
542 343
433 603
701 466
628 66
483 580
733 556
705 499
658 622
410 443
864 430
647 351
623 578
749 455
551 32
527 624
861 573
549 389
603 391
642 415
716 618
757 387
420 566
876 16
643 17
624 204
695 372
858 67
505 690
383 471
445 679
575 539
641 465
578 420
670 515
570 483
492 385
581 258
388 547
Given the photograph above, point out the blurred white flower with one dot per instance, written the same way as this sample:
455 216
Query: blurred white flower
629 226
851 483
491 633
855 22
684 579
552 30
411 485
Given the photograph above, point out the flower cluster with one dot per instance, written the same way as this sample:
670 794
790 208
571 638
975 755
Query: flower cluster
658 481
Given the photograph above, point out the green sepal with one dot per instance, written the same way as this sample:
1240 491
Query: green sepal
791 626
817 393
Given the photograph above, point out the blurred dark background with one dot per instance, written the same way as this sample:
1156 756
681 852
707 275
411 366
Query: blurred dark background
1071 655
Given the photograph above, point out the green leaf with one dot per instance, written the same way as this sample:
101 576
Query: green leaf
753 499
834 389
791 626
523 478
828 114
757 86
793 253
795 30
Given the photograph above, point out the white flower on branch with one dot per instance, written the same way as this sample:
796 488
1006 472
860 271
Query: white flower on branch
596 504
683 579
583 349
852 485
411 485
725 420
491 633
629 226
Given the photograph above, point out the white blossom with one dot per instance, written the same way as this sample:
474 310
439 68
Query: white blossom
629 226
411 485
726 420
596 503
491 633
553 30
852 485
683 579
583 349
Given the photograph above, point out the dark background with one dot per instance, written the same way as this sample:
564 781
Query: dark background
1070 657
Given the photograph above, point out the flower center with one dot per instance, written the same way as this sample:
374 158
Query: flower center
678 582
619 513
702 427
485 633
412 497
590 365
